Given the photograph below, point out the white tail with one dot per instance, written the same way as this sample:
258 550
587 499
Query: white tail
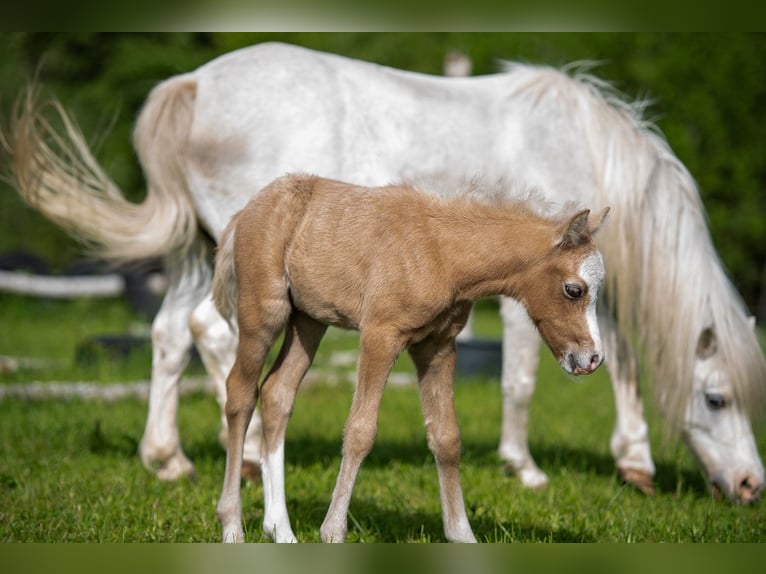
56 173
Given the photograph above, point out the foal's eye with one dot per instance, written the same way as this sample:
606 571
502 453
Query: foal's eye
715 401
573 291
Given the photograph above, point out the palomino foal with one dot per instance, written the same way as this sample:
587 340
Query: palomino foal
402 267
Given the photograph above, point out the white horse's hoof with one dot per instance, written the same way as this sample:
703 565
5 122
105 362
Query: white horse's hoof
529 477
175 468
251 471
533 478
641 479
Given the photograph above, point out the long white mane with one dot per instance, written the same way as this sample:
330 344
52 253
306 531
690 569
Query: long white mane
665 281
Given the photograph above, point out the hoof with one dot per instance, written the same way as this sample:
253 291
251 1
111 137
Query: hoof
642 480
175 468
533 479
251 471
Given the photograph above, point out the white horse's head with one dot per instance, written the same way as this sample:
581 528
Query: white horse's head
717 429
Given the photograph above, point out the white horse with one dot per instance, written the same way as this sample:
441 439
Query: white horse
209 139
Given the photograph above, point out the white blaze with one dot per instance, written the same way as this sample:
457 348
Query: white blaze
592 272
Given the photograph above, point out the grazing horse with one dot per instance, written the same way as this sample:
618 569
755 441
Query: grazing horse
208 139
403 268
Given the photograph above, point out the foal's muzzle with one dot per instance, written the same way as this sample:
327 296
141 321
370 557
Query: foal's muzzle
579 365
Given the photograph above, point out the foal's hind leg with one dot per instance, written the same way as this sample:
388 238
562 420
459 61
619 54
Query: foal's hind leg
259 326
435 363
189 281
217 345
378 351
302 338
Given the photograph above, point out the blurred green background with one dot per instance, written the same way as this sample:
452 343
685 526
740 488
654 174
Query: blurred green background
708 93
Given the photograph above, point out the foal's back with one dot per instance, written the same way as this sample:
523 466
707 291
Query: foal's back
395 255
339 248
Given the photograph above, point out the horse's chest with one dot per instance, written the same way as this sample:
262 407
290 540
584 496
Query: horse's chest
446 324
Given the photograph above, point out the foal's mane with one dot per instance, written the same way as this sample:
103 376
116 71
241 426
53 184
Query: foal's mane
665 280
501 195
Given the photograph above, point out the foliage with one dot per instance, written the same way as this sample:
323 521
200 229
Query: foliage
708 92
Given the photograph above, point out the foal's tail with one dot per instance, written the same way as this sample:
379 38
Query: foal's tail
225 288
56 173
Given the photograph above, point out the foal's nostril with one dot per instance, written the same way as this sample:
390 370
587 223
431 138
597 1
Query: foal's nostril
595 361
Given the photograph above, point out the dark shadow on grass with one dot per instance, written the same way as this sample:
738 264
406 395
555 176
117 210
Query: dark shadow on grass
305 451
368 521
112 444
553 459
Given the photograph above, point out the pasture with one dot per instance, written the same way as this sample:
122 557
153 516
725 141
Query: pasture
69 470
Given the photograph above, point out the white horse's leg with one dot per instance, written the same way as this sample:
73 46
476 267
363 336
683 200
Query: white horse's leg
435 363
189 281
630 439
377 354
467 332
521 357
302 338
217 346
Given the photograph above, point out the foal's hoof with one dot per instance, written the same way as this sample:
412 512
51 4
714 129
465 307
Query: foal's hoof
251 471
641 479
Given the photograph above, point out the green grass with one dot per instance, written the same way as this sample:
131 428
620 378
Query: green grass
69 470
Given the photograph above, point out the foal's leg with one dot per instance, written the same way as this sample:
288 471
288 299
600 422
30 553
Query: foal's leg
435 363
189 281
630 438
302 338
521 357
378 351
265 317
217 345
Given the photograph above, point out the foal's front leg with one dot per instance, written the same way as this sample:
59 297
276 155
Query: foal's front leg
435 363
378 351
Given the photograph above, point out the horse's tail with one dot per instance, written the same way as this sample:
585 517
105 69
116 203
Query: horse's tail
56 173
225 288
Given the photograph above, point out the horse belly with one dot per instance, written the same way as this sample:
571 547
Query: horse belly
327 297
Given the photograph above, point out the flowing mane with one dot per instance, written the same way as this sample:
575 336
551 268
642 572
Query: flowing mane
672 283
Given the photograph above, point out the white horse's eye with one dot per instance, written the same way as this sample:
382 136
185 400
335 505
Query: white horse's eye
715 401
573 290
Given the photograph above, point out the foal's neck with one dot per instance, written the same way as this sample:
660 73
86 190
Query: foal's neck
489 251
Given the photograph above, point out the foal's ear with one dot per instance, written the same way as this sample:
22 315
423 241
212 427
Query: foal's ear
580 227
595 221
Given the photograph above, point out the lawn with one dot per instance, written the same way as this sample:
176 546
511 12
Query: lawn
69 470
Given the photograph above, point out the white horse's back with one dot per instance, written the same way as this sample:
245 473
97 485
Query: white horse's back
271 109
